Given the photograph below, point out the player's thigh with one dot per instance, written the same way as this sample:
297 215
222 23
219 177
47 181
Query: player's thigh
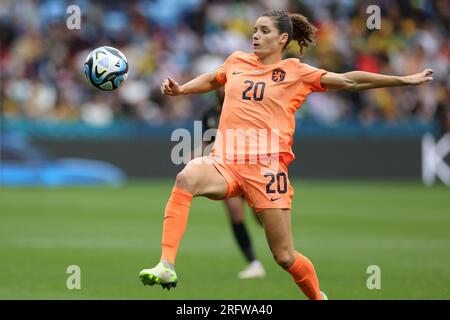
235 208
277 227
201 178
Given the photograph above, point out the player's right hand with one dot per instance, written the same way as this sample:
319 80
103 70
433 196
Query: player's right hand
170 87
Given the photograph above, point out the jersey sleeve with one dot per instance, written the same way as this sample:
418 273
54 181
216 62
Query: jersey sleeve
221 72
311 77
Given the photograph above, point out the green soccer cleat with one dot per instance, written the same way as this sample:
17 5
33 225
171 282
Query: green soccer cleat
162 274
324 296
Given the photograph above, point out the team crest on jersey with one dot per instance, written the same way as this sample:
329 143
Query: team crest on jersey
278 75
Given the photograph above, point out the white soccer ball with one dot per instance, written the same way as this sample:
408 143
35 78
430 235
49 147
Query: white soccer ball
106 68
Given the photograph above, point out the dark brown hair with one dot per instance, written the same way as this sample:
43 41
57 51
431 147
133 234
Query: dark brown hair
295 25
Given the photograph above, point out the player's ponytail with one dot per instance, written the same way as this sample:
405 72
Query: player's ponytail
295 25
302 31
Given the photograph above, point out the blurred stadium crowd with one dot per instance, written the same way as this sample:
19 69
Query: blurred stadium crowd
41 61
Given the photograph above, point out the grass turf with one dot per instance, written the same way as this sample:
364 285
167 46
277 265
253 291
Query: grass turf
112 233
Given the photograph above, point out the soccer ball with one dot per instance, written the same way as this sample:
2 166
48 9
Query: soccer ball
106 68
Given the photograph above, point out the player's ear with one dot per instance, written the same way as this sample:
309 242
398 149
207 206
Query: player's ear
283 38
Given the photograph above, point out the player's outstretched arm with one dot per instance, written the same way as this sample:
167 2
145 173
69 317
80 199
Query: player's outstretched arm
361 80
203 83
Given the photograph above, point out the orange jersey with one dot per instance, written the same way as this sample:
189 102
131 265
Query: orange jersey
261 100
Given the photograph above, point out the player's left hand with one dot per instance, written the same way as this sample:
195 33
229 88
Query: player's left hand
419 78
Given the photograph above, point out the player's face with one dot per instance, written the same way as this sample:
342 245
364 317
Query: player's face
266 38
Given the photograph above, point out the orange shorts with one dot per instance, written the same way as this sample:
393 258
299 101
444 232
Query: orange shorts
264 185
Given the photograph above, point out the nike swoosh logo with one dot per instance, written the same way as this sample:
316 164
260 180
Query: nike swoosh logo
275 199
237 72
98 75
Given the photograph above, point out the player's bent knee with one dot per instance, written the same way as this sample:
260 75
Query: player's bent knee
284 259
200 179
190 179
236 215
185 181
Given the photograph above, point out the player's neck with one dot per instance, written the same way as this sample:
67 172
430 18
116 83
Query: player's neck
270 59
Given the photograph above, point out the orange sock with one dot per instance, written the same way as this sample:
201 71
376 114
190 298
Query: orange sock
305 277
175 221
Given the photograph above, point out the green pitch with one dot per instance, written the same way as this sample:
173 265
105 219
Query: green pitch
112 233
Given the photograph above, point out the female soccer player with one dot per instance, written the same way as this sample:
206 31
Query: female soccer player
262 93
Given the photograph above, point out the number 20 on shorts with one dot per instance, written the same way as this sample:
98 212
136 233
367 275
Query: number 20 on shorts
281 182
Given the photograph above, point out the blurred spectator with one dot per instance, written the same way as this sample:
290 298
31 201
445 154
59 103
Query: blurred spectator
41 61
